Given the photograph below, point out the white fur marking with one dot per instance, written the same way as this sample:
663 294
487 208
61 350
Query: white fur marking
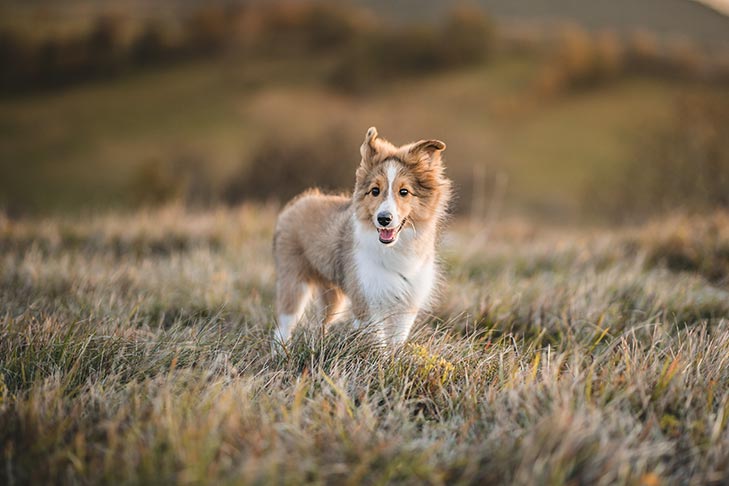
389 204
286 322
396 281
398 331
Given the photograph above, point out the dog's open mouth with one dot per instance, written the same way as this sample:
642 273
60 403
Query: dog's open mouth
389 235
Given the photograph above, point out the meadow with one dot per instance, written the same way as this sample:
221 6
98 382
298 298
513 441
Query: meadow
582 332
135 348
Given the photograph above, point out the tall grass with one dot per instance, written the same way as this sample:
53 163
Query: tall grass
135 348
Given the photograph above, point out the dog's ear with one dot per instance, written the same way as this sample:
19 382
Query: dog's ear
368 150
428 150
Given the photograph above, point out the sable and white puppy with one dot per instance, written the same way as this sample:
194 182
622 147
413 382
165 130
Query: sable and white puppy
375 249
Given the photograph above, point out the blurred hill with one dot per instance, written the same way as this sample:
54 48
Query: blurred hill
666 18
128 104
675 19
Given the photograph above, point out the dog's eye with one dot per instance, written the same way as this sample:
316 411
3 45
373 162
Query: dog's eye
375 191
404 192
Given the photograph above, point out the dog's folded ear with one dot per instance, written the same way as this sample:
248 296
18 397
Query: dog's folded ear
427 149
369 147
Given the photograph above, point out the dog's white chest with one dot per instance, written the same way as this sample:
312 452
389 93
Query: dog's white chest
393 277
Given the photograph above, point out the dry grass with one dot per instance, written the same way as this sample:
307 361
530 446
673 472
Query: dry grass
134 348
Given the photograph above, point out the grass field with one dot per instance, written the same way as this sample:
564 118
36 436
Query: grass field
134 348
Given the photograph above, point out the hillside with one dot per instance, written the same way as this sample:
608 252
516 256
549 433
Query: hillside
99 144
667 18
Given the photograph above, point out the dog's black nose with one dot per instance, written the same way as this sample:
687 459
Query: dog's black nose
384 218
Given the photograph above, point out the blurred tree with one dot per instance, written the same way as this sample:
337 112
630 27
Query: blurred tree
467 36
104 46
208 29
281 168
16 60
149 46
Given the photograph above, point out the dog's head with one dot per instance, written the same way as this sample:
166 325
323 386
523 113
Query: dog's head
399 187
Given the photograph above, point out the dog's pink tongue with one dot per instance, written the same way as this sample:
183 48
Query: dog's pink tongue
387 234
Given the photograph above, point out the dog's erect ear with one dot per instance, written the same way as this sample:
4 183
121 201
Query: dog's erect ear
427 149
369 146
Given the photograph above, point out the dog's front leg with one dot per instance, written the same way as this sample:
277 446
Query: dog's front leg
373 327
396 328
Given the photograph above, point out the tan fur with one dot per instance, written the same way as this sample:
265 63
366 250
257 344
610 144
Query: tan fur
314 241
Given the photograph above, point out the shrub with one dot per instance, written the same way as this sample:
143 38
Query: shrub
679 58
385 54
577 59
685 244
105 52
580 60
312 27
183 177
610 54
683 165
467 37
16 59
280 168
207 29
150 46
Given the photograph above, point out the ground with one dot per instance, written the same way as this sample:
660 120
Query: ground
135 347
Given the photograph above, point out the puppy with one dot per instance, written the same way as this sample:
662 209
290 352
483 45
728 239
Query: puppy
375 250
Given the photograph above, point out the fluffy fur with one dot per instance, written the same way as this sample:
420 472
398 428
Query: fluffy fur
374 250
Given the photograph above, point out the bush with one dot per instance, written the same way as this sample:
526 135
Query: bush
207 30
183 177
307 27
105 50
467 37
577 60
685 244
644 54
150 46
16 59
281 168
580 60
386 54
684 165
